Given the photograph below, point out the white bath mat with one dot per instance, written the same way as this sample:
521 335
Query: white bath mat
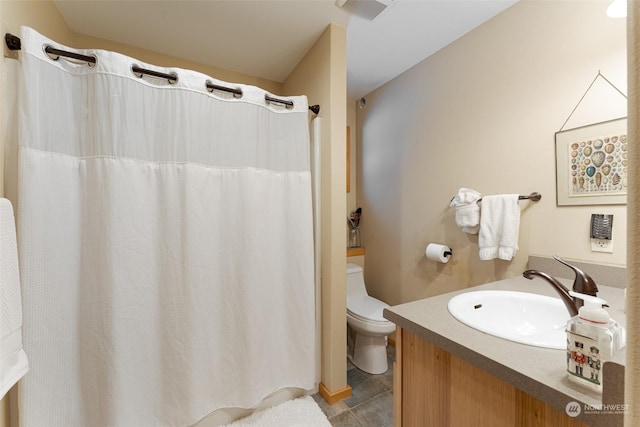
301 412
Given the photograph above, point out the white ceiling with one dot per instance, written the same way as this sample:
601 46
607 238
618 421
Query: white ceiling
267 38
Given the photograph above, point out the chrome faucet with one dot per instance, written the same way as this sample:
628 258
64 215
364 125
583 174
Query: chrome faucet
583 283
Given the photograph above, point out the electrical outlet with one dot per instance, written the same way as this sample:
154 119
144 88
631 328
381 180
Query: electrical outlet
602 245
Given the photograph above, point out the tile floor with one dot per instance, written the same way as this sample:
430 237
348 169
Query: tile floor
371 402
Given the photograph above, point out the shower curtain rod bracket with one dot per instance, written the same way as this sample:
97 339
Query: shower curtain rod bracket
13 42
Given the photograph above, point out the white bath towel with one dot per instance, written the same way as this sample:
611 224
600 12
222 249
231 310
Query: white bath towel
13 360
467 210
499 227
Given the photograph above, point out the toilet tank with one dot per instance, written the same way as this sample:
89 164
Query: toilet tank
355 281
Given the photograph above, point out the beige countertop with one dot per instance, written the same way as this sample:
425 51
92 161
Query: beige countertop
537 371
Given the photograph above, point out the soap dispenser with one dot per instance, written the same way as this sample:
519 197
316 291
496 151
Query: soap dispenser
592 339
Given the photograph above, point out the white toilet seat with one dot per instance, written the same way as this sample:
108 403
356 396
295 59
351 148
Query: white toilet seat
365 313
370 327
366 308
367 320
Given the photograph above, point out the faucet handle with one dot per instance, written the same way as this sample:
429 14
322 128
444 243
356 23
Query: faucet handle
583 283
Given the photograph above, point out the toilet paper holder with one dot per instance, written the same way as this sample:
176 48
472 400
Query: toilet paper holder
438 252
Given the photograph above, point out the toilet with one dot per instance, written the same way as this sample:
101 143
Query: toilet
367 329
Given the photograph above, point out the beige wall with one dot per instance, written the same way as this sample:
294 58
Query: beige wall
42 15
321 75
482 113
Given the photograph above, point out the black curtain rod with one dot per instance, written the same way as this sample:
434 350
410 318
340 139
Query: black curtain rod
14 43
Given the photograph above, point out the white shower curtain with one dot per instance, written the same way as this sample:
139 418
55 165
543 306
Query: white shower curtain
166 244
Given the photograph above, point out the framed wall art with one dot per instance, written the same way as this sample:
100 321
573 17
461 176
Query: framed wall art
592 163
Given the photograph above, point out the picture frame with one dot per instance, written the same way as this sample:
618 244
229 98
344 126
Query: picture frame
592 163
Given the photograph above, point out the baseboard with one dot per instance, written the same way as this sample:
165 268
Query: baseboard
336 396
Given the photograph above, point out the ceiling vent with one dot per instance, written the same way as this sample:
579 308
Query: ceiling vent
368 9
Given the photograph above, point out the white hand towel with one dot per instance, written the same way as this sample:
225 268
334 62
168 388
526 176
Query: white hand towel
467 210
13 360
499 227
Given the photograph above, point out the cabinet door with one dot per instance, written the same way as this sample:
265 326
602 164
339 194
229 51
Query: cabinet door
440 389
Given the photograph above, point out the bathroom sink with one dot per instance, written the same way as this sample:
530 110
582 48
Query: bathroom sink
522 317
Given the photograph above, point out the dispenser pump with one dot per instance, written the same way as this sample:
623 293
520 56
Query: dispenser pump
592 310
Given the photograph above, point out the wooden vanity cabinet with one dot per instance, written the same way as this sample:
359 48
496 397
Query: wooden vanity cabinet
435 388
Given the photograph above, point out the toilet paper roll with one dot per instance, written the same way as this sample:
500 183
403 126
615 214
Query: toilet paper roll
439 253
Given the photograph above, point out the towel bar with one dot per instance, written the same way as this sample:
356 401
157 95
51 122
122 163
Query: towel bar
535 196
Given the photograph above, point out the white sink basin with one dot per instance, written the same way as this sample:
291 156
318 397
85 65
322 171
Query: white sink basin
522 317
